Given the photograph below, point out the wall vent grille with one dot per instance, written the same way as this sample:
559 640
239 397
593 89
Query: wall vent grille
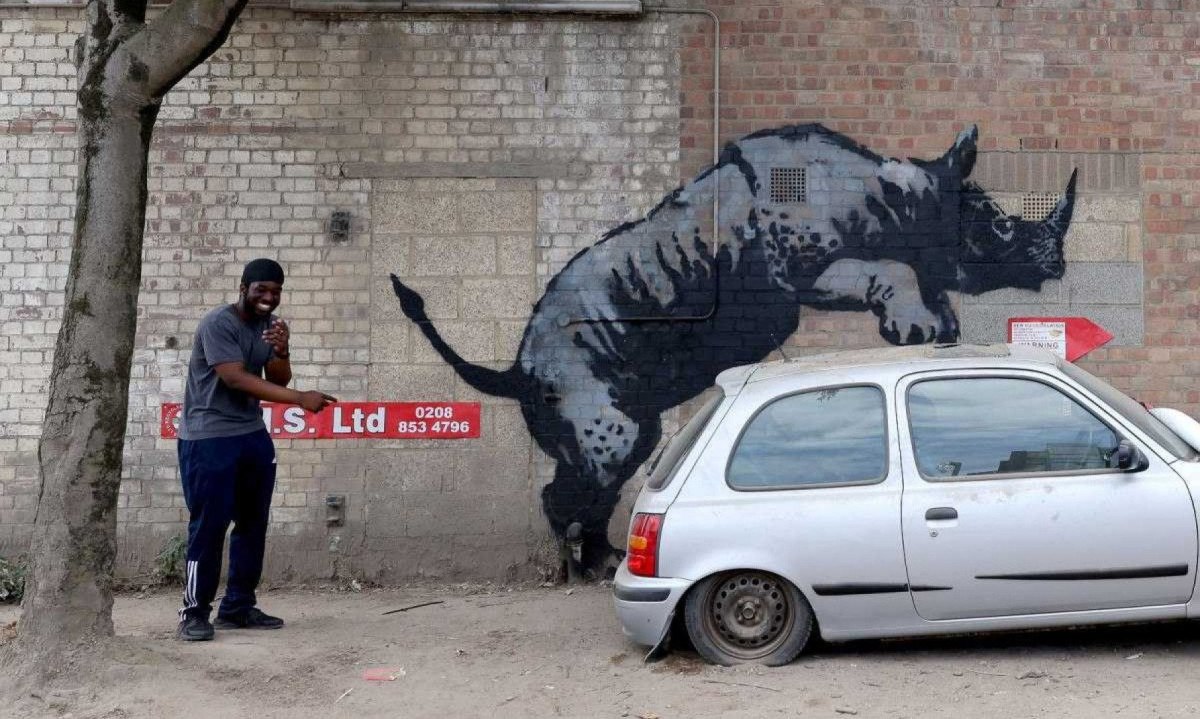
1037 206
789 185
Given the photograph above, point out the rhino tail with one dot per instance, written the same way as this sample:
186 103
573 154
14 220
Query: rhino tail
499 383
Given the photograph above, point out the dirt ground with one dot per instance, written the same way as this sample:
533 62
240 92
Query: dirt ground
534 651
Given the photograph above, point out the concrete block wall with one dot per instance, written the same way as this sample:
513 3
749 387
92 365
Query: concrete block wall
469 247
1103 248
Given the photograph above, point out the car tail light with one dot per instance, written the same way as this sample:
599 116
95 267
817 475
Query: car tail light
642 558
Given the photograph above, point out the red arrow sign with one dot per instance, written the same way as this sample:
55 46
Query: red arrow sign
1069 337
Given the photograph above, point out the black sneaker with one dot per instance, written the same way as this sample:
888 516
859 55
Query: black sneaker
252 618
194 629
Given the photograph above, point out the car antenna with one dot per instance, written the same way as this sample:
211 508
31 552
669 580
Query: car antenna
779 347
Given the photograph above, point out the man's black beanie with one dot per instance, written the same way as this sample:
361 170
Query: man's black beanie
262 270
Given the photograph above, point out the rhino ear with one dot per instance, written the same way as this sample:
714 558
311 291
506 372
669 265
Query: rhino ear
960 158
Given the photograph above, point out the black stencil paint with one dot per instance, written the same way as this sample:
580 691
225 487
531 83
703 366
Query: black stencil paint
646 318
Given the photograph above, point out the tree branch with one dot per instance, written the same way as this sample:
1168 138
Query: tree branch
183 36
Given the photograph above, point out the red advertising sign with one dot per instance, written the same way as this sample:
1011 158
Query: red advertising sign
359 420
1068 337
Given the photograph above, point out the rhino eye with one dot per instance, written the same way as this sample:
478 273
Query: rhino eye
1003 226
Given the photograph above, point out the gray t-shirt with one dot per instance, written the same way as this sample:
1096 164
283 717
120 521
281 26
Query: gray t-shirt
210 407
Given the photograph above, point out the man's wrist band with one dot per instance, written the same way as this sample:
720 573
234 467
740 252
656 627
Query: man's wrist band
285 355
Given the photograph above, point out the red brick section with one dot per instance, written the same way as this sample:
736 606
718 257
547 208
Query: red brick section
903 77
1167 372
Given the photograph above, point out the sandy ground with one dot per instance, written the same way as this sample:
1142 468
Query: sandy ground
547 651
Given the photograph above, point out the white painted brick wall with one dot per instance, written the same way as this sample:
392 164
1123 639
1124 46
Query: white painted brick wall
245 163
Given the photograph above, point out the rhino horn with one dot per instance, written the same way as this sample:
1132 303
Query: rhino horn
1056 223
960 158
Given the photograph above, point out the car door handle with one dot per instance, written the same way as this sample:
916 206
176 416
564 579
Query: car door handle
941 513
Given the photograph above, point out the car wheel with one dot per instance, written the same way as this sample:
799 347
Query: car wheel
748 616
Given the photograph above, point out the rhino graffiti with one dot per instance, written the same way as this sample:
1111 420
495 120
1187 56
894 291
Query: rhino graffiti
646 318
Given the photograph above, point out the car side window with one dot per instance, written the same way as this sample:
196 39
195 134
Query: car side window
1002 425
663 467
822 437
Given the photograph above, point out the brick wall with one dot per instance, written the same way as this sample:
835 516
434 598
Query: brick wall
36 201
477 155
568 123
1051 85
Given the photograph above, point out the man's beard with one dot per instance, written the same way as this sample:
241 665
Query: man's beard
250 309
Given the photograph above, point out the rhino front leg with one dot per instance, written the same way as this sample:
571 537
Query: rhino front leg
892 291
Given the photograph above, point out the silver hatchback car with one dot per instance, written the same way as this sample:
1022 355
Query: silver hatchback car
909 491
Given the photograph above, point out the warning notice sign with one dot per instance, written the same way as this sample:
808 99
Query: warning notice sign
1068 337
1050 335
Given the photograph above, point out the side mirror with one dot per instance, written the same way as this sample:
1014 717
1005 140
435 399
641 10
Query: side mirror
1130 458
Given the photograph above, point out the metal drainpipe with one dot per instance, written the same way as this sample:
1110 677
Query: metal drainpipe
716 145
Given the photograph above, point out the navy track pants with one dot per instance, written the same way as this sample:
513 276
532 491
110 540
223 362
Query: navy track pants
225 479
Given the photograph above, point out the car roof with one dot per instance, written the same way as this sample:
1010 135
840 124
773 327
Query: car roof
919 355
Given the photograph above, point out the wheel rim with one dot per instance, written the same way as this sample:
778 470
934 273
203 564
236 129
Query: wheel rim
748 615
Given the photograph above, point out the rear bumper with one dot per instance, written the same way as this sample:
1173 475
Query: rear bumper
645 605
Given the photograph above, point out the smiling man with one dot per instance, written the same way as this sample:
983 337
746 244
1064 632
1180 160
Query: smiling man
226 456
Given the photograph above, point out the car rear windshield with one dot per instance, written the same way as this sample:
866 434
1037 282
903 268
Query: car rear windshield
663 468
1132 410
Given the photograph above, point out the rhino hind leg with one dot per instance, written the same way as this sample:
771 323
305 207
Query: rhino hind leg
571 498
587 481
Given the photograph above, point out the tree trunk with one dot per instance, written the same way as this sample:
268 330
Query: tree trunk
125 67
74 541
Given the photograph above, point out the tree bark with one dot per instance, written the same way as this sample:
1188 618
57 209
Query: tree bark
125 67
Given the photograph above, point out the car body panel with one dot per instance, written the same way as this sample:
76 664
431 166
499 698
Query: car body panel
844 546
870 546
1051 542
916 627
1190 473
646 619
